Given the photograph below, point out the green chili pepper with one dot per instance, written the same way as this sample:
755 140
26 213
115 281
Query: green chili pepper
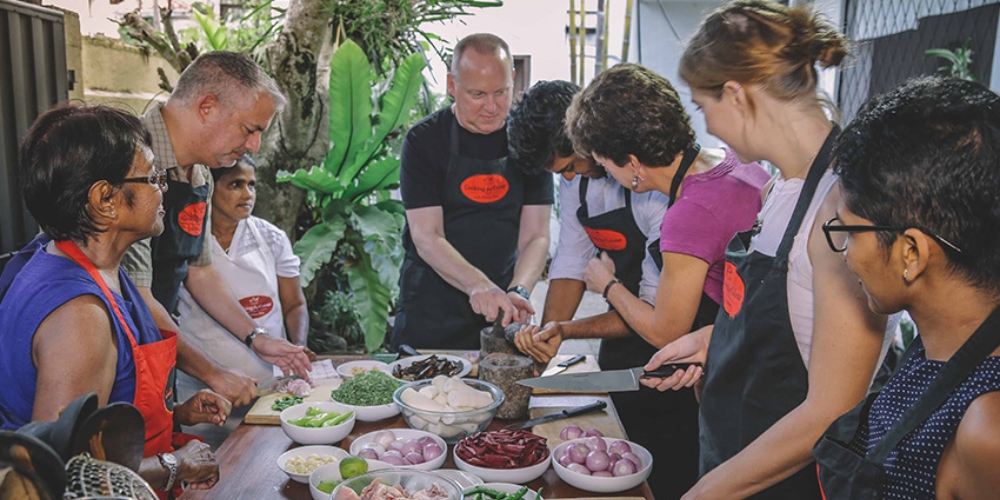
520 494
342 418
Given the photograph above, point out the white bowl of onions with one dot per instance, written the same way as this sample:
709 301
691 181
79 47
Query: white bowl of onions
602 465
402 448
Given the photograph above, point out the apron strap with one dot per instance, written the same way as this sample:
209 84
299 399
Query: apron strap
816 171
686 162
453 136
74 252
584 211
972 353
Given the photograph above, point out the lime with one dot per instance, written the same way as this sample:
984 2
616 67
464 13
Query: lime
328 486
352 466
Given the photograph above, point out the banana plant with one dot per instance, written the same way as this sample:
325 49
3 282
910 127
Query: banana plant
350 189
959 58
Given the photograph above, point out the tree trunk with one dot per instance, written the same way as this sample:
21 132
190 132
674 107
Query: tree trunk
299 61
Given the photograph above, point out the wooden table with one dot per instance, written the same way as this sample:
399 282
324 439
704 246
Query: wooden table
249 470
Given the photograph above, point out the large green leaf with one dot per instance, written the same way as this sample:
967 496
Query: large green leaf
315 179
396 105
217 35
317 246
350 106
379 174
371 300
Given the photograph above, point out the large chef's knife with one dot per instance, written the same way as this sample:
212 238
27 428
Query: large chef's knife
572 412
561 367
606 381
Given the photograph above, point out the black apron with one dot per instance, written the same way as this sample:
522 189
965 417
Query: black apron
482 220
754 371
184 228
664 422
848 475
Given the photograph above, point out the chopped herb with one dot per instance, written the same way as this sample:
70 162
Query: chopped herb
367 389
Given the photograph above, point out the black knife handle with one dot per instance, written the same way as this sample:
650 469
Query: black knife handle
582 410
572 361
667 370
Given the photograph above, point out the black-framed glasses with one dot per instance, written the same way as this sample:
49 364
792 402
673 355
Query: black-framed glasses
837 234
157 177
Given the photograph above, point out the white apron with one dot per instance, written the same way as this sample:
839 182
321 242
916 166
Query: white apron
250 271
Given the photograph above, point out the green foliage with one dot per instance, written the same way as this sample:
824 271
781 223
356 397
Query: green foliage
243 30
358 225
390 30
960 60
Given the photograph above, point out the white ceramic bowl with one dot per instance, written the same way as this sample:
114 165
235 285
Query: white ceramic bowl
330 472
374 413
350 368
516 476
603 484
510 488
316 435
358 444
411 480
405 362
451 426
304 451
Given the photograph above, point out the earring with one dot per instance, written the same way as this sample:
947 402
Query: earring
113 215
906 273
635 181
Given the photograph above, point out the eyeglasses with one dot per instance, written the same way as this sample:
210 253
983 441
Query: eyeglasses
837 234
157 177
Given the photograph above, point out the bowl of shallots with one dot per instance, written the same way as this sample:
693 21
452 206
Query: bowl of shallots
602 465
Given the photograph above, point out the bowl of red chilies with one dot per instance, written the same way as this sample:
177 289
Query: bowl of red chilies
503 456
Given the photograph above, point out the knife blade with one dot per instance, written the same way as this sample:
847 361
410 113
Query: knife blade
572 412
271 385
561 367
604 381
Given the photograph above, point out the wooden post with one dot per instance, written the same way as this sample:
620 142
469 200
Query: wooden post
572 41
599 48
583 42
628 30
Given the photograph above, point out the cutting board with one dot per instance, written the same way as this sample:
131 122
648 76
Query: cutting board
585 366
602 421
261 412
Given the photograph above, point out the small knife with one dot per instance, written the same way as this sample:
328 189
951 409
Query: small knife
561 367
606 381
271 385
572 412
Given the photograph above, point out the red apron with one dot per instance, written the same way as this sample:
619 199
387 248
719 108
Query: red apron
154 368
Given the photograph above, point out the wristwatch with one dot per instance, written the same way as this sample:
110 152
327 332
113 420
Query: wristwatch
260 330
520 290
169 461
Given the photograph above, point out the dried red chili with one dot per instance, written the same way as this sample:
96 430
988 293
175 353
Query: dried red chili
503 449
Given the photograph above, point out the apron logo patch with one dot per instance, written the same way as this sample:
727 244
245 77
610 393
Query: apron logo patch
485 188
733 290
257 305
606 239
192 218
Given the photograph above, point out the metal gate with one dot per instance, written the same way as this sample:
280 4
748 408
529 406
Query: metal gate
32 78
892 36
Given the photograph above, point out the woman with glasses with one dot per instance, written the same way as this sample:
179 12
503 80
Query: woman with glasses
71 320
919 224
794 345
255 259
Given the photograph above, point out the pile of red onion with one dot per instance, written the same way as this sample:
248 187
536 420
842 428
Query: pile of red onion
593 456
503 449
385 446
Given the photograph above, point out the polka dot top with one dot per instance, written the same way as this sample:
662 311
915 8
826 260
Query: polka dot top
911 467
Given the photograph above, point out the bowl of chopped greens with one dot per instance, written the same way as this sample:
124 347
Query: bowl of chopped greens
317 423
369 394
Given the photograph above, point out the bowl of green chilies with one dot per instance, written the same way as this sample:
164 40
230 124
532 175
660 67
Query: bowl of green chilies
317 423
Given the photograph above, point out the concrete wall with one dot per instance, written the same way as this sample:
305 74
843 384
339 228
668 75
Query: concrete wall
123 75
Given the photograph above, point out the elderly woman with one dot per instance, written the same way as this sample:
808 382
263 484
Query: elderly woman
919 224
71 321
